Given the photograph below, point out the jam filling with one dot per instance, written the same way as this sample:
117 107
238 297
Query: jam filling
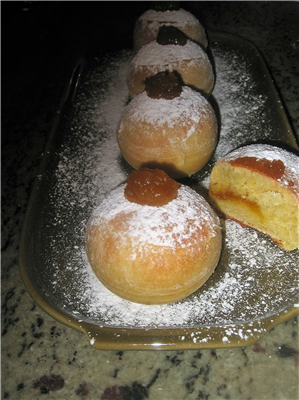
164 85
151 187
165 5
171 35
252 206
274 169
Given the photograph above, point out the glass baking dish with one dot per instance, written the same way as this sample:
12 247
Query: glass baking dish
254 287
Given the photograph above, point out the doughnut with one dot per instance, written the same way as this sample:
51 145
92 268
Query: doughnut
153 254
257 185
171 51
177 135
148 24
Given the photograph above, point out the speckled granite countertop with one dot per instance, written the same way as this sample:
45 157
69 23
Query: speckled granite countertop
42 358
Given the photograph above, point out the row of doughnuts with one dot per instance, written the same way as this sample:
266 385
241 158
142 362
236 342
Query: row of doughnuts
155 241
188 128
169 123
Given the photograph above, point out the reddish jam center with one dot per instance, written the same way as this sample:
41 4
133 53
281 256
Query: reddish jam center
164 85
171 35
151 187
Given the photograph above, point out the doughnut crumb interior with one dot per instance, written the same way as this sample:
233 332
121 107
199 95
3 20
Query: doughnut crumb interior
257 185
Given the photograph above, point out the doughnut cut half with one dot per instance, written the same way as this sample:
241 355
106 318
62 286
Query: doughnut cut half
257 186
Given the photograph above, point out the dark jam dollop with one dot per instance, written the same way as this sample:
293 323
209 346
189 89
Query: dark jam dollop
163 85
274 169
165 5
171 35
151 187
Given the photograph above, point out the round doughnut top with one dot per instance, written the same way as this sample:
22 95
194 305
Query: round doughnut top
290 175
185 110
183 222
155 54
178 18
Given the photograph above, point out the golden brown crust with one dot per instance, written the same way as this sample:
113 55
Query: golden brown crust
153 255
166 145
156 275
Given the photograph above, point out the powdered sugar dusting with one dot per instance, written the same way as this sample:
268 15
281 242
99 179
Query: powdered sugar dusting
177 224
158 56
150 21
188 108
243 112
236 293
243 105
254 279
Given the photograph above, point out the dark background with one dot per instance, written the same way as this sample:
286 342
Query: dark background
41 41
